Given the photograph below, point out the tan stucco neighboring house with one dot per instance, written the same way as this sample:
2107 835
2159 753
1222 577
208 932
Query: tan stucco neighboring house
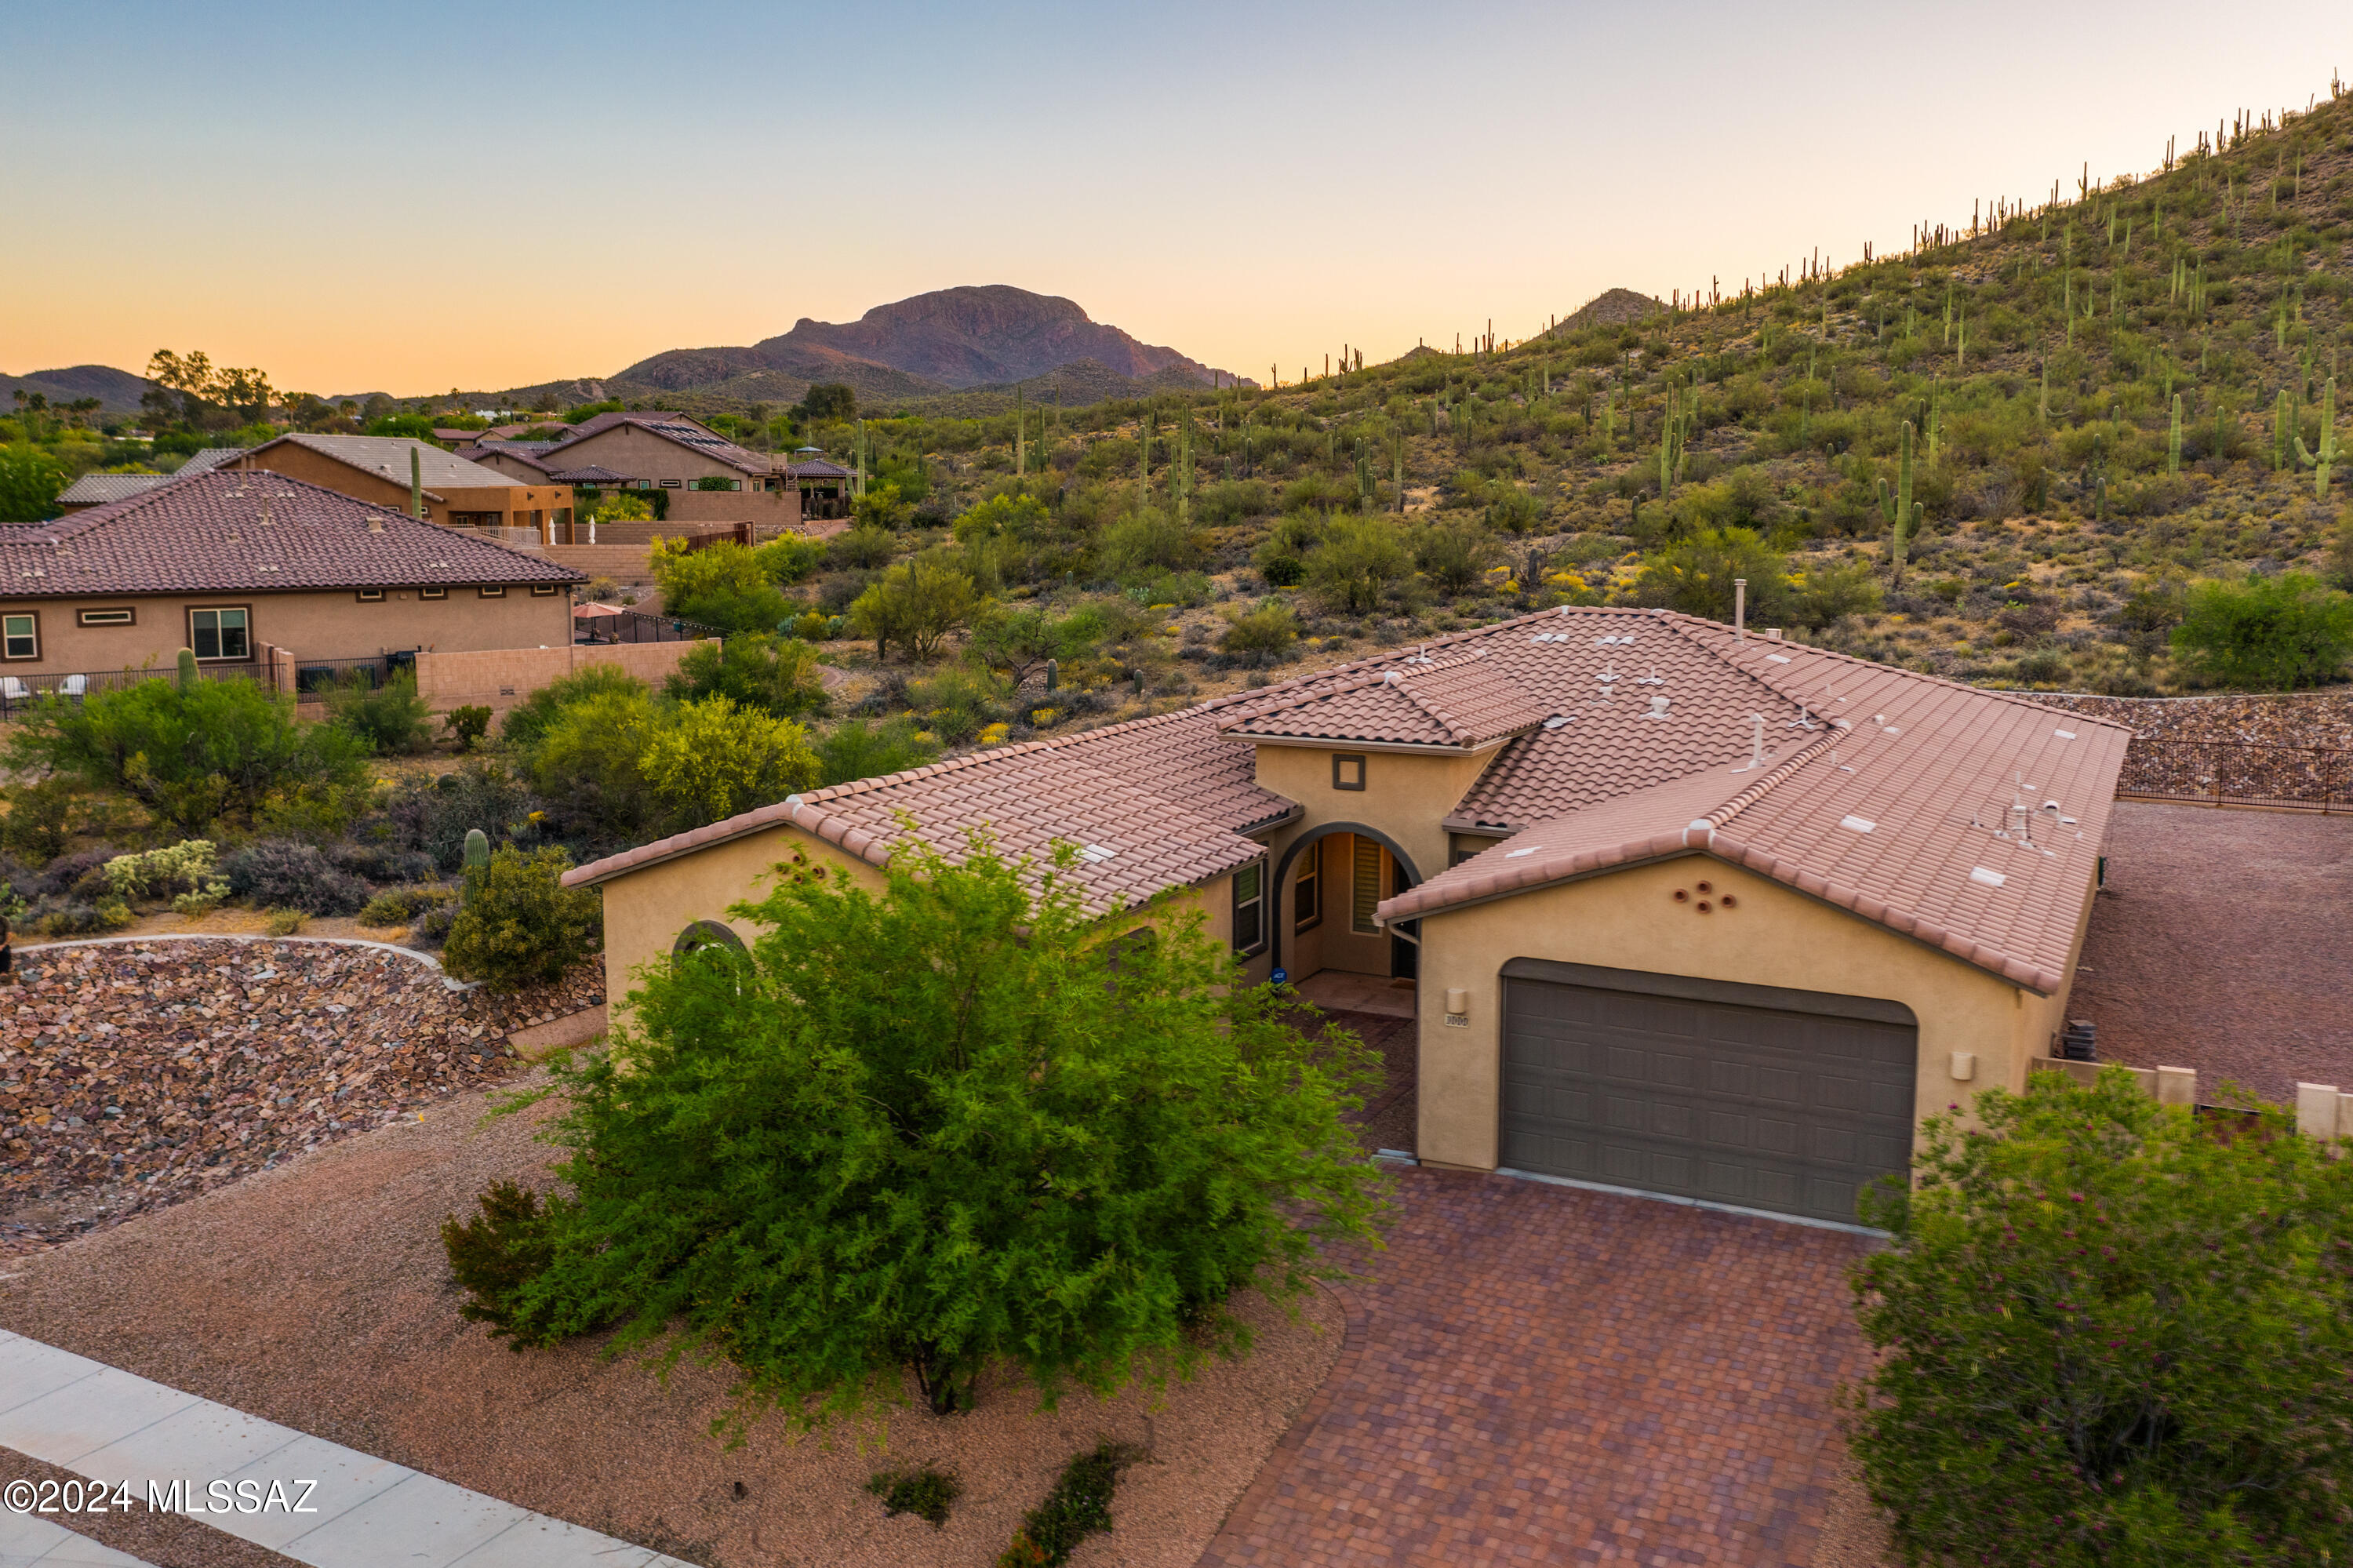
1684 911
455 492
704 476
231 563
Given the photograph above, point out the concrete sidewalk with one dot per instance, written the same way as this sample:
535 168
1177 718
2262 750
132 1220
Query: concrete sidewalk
315 1501
28 1539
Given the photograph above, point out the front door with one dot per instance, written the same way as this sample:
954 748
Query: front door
1405 957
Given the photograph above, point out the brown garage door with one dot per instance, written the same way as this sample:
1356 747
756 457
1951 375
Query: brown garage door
1747 1094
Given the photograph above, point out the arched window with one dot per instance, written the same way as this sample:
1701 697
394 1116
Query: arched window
705 934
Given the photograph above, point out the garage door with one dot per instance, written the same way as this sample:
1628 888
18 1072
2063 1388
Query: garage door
1775 1099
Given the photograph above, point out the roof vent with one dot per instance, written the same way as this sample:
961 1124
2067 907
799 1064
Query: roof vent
1556 721
375 524
2063 733
792 802
1517 853
1095 854
1860 824
1658 706
1609 674
1985 878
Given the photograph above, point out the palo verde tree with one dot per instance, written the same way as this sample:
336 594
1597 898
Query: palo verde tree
2112 1332
956 1122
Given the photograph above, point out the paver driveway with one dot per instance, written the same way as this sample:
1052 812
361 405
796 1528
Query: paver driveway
1541 1375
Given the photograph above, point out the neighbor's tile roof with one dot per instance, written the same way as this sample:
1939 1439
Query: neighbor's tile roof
235 531
675 428
1461 703
1928 764
592 474
205 462
98 489
388 457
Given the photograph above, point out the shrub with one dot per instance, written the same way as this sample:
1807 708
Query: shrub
1078 1506
925 1493
318 812
1696 577
432 928
711 760
883 508
184 868
2270 634
587 762
519 926
1019 1158
1513 510
280 874
1151 539
431 816
776 676
285 922
790 559
399 905
529 719
2111 1331
492 1254
29 481
468 725
915 604
861 549
77 918
855 749
1359 563
958 703
189 757
1268 632
1454 556
40 821
391 719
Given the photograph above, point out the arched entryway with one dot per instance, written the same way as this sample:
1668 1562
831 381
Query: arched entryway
1401 874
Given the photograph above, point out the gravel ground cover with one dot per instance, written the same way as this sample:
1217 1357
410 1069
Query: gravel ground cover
316 1294
2219 945
135 1074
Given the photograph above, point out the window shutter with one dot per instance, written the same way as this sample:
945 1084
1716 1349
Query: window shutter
1367 889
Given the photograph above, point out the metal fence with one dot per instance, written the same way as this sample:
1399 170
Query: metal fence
636 626
18 692
314 677
2233 773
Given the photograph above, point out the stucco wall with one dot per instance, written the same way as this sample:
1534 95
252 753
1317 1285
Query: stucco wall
1775 937
645 910
499 678
322 625
1406 796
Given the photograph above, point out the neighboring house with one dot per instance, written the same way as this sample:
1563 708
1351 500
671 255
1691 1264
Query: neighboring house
104 489
707 477
1685 912
377 470
225 562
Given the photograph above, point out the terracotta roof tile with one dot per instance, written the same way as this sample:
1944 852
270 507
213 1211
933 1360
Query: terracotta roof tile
1661 753
1462 703
237 531
386 457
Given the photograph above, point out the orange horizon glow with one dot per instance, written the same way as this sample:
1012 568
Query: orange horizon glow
493 203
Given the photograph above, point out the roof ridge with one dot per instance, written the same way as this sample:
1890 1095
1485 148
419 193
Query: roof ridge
1773 778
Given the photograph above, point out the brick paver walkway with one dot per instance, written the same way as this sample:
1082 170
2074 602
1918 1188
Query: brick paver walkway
1539 1375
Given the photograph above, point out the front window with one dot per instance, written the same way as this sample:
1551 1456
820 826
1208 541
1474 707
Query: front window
1307 890
20 636
219 633
1250 908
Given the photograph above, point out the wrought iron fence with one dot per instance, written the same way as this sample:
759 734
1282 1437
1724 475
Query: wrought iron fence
314 677
18 692
636 626
2236 773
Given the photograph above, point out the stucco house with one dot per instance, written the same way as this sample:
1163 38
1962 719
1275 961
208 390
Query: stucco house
378 470
229 562
1685 911
702 475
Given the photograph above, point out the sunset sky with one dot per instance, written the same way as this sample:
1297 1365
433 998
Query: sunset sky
405 199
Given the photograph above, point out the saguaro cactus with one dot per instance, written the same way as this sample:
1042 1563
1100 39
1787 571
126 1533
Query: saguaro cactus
478 848
2173 439
416 485
2325 458
1903 513
187 663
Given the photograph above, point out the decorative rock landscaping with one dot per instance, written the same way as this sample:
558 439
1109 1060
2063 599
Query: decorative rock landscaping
135 1074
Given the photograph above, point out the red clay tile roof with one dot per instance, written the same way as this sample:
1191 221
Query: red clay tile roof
1894 804
237 531
386 458
676 428
1461 703
1660 757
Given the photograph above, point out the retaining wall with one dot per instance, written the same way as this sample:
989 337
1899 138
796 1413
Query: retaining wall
499 678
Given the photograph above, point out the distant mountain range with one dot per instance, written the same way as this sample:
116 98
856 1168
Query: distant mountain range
951 340
117 391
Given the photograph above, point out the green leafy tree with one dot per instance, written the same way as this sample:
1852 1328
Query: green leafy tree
519 926
2268 633
193 755
1019 641
938 1127
2112 1332
778 675
726 586
708 760
29 481
529 719
1359 562
1696 577
827 400
884 507
915 604
586 759
855 749
1454 556
1267 632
